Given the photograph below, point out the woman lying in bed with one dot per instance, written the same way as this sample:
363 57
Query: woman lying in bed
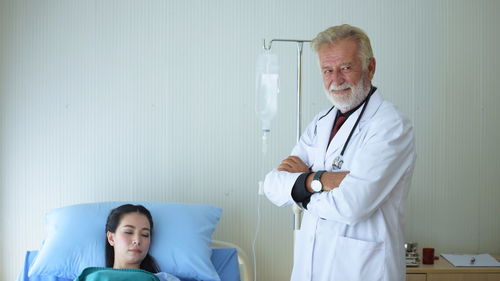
128 231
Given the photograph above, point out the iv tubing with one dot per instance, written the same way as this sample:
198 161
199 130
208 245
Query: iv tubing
264 143
299 88
257 229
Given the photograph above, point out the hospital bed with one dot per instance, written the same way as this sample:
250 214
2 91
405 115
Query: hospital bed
229 260
58 260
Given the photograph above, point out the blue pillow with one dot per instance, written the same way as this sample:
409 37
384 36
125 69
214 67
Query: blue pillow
181 239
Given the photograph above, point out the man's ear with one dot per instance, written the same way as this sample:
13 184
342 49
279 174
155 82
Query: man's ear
111 238
372 63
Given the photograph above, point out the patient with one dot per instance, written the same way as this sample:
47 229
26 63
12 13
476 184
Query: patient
129 232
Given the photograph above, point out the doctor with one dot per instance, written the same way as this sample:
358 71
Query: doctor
350 172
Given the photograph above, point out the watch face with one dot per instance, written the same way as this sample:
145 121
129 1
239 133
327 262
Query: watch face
316 185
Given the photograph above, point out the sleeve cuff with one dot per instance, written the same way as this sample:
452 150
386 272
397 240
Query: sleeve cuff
299 190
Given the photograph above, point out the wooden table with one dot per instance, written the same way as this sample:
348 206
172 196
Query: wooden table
442 270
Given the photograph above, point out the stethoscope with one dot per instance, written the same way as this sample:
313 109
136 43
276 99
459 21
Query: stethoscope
339 160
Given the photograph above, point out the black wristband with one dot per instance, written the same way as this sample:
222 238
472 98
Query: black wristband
299 190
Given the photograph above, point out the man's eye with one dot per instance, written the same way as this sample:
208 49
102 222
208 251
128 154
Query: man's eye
128 232
327 71
345 68
145 235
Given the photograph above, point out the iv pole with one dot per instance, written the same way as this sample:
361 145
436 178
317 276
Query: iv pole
296 210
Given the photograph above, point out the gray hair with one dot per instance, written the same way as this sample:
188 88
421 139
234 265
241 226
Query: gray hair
334 34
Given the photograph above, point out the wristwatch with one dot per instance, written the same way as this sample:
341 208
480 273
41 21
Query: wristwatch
316 183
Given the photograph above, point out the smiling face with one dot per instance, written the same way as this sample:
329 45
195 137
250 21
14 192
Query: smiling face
130 241
346 80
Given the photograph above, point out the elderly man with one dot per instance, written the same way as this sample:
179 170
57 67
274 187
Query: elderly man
350 172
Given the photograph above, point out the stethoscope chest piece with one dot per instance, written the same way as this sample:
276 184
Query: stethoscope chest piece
338 162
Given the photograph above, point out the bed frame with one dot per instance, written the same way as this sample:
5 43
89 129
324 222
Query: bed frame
246 273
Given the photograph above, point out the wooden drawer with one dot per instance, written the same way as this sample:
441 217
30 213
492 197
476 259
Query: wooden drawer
453 277
416 277
464 277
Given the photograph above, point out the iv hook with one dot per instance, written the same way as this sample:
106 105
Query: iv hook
267 48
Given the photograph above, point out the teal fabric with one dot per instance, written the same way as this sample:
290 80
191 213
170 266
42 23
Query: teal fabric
110 274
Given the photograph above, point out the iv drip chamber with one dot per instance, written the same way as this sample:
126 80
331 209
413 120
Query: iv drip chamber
267 88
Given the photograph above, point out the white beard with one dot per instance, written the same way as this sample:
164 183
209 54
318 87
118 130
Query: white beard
346 102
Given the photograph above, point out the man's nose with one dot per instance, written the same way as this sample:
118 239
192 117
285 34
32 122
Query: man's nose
337 78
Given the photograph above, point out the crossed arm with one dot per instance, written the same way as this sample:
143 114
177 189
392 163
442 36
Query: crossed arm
294 164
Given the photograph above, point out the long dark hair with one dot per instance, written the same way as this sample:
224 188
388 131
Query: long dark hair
114 218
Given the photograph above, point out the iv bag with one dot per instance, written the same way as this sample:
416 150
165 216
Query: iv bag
267 88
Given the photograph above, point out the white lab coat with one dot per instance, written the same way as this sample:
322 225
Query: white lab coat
354 232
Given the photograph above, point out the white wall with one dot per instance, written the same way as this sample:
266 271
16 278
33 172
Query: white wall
153 100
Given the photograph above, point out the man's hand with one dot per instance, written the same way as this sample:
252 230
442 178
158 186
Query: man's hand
293 164
332 180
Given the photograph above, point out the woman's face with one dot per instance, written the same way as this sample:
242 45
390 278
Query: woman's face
131 240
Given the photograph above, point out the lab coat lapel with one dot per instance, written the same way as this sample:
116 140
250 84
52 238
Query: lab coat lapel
374 104
324 127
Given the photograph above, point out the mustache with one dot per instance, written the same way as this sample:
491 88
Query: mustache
343 86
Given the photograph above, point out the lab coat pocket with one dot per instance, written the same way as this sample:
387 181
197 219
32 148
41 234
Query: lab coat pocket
357 260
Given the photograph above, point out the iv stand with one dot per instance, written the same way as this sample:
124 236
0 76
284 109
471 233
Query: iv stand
296 210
